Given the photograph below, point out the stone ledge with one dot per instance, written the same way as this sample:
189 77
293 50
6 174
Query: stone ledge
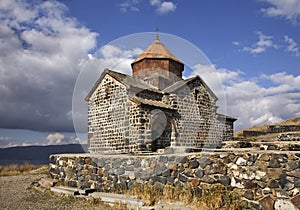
254 175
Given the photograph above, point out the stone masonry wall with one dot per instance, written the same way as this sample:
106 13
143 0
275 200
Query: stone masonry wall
113 120
198 124
264 179
165 67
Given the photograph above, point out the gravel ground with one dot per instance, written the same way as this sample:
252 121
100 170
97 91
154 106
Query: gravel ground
15 193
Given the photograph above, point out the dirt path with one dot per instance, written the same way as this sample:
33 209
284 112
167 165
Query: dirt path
15 194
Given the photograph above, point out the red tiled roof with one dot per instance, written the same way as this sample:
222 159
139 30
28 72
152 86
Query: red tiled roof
157 50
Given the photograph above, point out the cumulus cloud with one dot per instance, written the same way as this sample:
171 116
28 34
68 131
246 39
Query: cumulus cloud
59 138
55 138
129 5
163 7
252 103
41 54
289 9
292 46
261 45
166 7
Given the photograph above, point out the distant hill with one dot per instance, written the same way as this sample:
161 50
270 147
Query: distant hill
292 121
36 154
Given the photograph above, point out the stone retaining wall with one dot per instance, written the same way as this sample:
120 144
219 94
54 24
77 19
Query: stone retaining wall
247 133
272 129
293 136
264 179
283 128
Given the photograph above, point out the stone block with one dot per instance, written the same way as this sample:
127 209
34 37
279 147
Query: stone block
203 162
224 180
296 201
274 173
183 178
64 190
241 161
292 165
194 164
295 173
267 203
208 179
249 184
47 182
249 194
199 173
195 182
284 204
273 184
286 184
274 163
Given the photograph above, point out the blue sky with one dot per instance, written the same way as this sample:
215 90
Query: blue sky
253 46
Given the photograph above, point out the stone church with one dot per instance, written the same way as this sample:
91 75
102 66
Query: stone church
153 109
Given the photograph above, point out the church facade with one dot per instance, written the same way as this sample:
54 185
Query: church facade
153 109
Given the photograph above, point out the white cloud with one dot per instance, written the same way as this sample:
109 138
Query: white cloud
41 54
289 9
12 138
166 7
250 102
155 2
59 138
261 45
54 138
4 138
235 43
292 46
115 58
6 142
163 7
130 5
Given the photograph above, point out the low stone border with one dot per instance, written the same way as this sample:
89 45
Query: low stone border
270 178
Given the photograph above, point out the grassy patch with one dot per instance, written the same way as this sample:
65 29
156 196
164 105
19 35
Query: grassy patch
217 197
16 169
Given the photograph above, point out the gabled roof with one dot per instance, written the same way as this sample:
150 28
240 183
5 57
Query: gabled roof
126 80
157 50
180 84
148 102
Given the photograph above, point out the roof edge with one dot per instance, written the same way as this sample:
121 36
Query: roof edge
96 84
188 81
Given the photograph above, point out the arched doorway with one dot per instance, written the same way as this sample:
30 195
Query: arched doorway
163 130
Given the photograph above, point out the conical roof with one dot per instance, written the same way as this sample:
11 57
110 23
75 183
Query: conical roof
157 50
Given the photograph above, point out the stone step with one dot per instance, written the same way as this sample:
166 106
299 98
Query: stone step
170 207
112 198
64 190
46 182
86 191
